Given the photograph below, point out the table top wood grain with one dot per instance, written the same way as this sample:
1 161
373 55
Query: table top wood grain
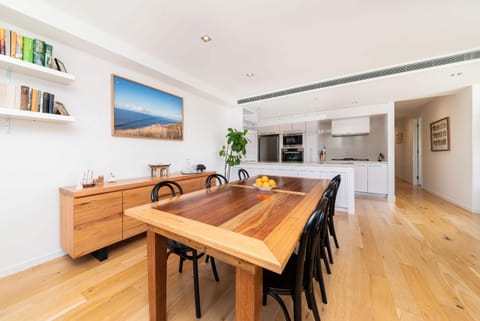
244 226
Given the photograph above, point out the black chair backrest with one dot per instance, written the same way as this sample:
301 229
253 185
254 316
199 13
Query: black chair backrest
243 174
319 232
336 185
305 250
170 184
219 177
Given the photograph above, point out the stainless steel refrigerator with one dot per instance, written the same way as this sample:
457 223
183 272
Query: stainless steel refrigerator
268 148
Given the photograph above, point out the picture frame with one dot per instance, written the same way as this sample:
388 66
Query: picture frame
60 65
141 111
440 135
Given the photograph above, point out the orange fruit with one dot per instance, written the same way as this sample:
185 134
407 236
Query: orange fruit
272 182
265 178
258 182
266 185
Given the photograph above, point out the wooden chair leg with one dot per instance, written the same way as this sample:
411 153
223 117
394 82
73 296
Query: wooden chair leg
321 282
311 297
196 287
325 259
331 229
329 249
282 305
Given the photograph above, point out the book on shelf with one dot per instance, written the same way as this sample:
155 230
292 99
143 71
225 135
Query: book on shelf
2 41
27 49
45 102
38 52
61 109
34 101
13 43
19 47
24 94
48 55
51 105
7 42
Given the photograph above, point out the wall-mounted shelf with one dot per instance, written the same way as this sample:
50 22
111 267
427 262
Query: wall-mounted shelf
28 68
29 115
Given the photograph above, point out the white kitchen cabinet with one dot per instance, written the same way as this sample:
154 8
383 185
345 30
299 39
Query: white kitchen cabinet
273 129
351 126
311 142
299 126
252 146
361 178
377 178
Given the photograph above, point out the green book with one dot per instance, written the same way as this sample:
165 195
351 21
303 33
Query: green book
48 55
38 52
27 49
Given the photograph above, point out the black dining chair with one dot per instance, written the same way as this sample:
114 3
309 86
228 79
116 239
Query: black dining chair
297 275
243 174
219 177
183 251
331 226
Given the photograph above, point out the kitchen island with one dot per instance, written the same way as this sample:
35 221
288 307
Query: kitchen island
345 201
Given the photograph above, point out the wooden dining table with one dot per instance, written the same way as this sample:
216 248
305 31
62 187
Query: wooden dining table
236 223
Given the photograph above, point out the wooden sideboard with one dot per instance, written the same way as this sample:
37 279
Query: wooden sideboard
92 218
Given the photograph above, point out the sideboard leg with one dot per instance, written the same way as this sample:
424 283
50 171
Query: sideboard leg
101 254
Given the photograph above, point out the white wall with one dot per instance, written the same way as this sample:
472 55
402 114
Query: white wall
448 174
404 150
476 148
363 146
37 158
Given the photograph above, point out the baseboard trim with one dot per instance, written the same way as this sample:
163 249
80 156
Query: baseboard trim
448 199
30 263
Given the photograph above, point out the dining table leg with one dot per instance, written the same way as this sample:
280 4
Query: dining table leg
157 276
248 294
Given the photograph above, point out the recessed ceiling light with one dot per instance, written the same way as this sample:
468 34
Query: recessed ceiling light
206 38
250 74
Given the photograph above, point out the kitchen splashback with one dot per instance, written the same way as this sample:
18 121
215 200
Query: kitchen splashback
361 147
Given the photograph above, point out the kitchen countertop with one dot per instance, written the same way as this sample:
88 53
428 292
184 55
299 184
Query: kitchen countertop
327 164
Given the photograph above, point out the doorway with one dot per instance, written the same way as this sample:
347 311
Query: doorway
417 152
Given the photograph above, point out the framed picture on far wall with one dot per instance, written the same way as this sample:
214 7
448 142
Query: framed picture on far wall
440 135
141 111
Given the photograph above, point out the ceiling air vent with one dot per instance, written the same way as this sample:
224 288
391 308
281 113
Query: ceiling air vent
472 55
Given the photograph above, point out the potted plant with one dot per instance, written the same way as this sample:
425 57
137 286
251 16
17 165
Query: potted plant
234 150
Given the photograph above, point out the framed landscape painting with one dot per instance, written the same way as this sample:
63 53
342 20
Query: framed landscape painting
440 135
144 112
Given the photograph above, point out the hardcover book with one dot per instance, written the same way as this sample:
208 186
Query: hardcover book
45 102
51 106
24 93
19 47
13 43
27 49
48 55
38 52
2 41
34 104
7 42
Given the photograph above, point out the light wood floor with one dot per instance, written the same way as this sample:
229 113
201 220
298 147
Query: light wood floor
417 259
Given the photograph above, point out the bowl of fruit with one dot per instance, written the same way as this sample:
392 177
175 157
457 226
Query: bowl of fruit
264 183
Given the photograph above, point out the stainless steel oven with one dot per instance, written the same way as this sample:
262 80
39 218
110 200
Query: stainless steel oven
292 155
293 140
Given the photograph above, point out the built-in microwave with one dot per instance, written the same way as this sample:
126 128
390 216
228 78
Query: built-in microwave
292 155
293 139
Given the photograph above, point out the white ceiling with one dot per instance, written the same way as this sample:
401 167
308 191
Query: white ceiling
291 43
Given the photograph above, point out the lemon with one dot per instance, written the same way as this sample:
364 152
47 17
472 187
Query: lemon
265 178
266 185
258 182
272 183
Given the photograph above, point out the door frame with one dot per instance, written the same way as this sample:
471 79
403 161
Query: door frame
417 173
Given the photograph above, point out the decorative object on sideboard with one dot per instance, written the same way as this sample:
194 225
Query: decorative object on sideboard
88 180
111 178
141 111
200 168
160 170
100 180
381 157
440 135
